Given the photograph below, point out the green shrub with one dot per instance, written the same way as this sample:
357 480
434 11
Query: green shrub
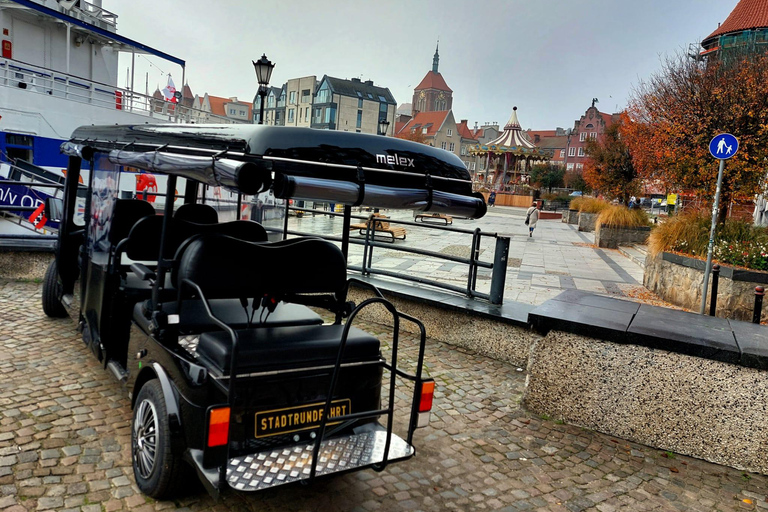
736 242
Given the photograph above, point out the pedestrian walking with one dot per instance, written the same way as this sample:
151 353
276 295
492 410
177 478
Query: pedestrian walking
531 218
492 198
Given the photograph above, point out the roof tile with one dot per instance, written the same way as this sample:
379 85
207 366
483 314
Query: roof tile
747 14
433 80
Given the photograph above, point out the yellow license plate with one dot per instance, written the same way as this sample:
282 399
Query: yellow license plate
295 419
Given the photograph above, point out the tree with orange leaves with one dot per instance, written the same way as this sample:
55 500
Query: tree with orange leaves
413 135
609 168
675 113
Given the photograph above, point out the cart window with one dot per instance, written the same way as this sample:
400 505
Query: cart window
103 195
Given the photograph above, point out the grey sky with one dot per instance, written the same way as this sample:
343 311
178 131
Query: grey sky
548 57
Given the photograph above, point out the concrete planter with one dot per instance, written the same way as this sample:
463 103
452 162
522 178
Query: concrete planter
678 279
612 238
571 216
587 221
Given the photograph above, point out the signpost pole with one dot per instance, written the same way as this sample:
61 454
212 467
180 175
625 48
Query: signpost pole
711 247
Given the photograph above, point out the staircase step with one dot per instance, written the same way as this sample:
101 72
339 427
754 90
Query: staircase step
636 254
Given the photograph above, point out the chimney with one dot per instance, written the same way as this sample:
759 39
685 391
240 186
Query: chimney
356 80
463 121
536 138
369 82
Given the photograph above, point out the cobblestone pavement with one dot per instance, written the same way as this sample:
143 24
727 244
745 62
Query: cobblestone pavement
64 444
556 258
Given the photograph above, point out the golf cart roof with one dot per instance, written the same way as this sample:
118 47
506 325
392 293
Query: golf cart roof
322 165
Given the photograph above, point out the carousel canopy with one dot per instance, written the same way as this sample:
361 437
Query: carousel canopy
512 141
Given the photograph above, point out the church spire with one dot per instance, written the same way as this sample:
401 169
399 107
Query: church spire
436 58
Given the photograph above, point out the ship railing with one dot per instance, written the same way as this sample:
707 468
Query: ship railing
44 81
98 13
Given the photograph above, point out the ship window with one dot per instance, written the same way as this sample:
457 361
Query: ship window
18 147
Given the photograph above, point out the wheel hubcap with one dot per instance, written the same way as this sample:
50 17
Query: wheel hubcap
145 438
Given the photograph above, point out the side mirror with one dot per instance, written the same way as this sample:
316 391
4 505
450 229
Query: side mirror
54 209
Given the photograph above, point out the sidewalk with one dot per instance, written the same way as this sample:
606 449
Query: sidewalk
556 258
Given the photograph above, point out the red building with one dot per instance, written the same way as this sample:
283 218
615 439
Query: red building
432 94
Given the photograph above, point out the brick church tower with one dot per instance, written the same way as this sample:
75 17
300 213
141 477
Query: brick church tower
432 94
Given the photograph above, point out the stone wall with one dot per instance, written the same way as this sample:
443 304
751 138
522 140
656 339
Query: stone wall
24 265
685 404
678 280
492 338
571 217
612 238
587 221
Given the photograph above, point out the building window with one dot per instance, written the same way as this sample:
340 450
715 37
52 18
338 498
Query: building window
242 112
593 135
473 166
360 103
424 130
442 145
571 151
318 116
582 136
305 96
451 147
450 132
581 151
291 113
271 101
323 95
382 99
231 111
570 166
370 96
383 110
562 153
330 115
292 97
463 150
579 166
359 119
482 166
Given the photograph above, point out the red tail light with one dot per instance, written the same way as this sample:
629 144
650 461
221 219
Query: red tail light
218 427
427 394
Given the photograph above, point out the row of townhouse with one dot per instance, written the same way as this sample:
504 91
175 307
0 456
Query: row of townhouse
329 104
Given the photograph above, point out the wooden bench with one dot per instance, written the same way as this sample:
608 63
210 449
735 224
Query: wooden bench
388 233
434 217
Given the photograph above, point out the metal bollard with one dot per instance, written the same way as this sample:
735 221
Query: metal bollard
713 295
499 275
759 293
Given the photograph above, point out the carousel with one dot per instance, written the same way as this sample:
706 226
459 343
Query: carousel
508 158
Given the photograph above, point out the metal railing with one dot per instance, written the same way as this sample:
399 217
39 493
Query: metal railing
44 81
498 267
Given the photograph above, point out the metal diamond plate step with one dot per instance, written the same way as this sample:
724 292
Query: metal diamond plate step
277 467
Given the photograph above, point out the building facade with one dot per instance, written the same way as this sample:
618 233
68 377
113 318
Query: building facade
438 129
353 106
215 109
592 125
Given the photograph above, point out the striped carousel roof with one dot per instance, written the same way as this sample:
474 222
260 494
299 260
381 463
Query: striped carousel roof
512 140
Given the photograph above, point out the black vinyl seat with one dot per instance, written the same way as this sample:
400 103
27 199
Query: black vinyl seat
199 213
126 213
282 347
224 268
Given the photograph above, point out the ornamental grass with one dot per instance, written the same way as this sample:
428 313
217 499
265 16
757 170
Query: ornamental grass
576 203
737 242
622 217
592 205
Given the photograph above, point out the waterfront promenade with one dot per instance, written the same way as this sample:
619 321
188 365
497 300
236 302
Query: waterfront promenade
556 258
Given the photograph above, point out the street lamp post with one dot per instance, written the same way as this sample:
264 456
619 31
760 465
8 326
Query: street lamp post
263 68
569 133
383 126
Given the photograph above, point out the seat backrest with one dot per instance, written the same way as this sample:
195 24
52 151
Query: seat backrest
198 213
144 240
225 267
127 212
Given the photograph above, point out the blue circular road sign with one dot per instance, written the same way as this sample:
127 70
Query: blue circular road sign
724 146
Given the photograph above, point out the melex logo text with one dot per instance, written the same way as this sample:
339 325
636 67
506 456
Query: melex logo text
395 160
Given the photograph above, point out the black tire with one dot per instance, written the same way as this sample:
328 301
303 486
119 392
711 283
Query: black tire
159 472
52 305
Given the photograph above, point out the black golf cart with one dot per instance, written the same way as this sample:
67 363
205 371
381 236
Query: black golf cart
212 327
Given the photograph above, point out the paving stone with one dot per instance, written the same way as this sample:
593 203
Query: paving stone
461 463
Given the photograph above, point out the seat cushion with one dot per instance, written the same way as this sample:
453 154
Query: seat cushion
286 347
194 318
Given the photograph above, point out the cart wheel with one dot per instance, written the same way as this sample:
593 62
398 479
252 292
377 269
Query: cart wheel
52 305
158 471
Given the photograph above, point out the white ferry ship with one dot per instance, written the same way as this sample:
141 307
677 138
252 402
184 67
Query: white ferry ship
58 71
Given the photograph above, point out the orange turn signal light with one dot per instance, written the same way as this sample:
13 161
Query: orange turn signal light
218 427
